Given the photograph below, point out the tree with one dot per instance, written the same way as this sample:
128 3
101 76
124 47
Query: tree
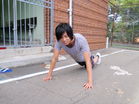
128 11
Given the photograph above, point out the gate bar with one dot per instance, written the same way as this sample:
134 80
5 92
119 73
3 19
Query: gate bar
51 22
15 23
9 15
3 22
25 1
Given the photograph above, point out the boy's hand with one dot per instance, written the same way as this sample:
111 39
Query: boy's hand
88 85
48 77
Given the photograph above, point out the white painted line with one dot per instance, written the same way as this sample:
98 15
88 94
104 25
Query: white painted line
131 51
112 53
34 74
44 72
119 71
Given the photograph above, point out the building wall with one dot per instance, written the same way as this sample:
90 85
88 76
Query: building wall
60 11
89 19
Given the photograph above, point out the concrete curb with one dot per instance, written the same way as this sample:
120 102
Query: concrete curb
26 60
26 56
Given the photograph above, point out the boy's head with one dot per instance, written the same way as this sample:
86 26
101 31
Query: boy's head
63 29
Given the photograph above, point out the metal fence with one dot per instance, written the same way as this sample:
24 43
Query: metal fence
25 23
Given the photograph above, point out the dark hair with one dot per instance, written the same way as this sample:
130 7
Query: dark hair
61 29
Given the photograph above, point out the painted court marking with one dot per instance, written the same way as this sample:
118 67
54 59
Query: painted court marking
119 71
44 72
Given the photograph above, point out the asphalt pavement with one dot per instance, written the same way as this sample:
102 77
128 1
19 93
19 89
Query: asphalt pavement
115 81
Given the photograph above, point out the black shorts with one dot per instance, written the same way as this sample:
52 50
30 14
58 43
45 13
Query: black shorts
84 63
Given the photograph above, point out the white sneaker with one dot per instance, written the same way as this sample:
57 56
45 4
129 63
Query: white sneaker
99 58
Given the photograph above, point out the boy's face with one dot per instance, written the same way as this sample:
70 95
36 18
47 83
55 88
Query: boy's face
65 39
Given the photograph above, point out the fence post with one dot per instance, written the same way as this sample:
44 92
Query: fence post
15 23
52 23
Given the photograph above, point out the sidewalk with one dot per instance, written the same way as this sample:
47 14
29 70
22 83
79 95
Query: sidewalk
25 56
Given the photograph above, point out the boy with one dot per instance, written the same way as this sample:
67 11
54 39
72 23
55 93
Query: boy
77 47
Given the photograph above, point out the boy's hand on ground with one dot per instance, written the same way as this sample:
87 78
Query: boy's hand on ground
88 85
48 77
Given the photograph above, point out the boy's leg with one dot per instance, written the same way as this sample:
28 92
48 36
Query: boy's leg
82 64
92 61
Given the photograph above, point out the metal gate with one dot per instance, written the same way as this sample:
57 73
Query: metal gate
26 23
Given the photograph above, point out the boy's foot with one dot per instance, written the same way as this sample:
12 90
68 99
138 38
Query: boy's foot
99 58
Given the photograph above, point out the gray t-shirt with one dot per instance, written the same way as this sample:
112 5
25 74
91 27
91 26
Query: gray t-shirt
76 52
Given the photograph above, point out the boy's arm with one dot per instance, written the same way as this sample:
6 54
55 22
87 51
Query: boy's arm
89 83
52 65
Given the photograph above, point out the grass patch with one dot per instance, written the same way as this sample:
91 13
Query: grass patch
125 47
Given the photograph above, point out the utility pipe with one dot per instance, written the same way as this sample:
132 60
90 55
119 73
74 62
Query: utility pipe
70 12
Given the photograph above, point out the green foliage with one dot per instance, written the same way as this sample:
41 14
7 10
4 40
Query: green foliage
127 29
124 2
